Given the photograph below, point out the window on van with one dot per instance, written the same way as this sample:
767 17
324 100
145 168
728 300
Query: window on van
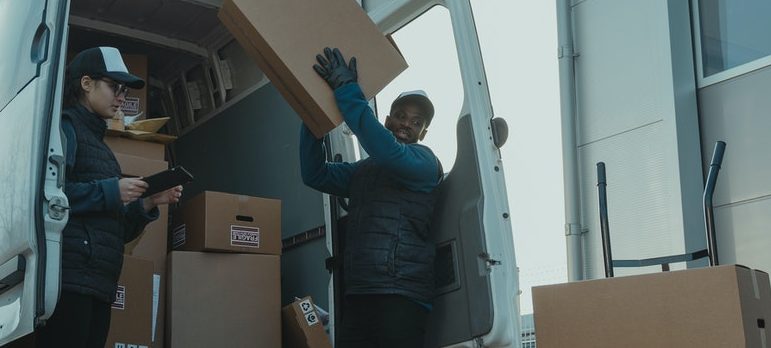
428 45
733 33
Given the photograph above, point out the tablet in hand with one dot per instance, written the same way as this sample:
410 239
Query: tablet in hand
165 180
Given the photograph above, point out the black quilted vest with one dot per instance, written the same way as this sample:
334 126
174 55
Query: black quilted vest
92 246
387 248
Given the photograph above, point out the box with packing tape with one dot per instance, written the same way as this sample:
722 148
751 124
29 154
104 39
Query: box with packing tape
303 325
215 221
724 306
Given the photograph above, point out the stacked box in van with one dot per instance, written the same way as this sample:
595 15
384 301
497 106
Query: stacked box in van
225 279
141 300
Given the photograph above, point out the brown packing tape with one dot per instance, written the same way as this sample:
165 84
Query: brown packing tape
243 205
291 90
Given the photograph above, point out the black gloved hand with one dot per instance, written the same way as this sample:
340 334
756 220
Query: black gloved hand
334 70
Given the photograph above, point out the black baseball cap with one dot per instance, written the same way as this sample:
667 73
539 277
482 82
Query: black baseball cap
103 61
419 98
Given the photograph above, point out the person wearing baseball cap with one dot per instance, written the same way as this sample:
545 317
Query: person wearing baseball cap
106 211
388 259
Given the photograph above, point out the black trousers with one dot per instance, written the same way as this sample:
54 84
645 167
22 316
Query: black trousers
381 321
79 321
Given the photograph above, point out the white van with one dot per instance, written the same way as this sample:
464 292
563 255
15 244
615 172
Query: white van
237 134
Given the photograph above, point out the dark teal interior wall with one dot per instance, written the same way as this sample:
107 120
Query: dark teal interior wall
252 148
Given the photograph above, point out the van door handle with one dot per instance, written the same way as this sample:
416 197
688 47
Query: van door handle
39 50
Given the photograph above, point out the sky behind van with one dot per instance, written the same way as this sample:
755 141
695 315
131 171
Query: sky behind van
519 45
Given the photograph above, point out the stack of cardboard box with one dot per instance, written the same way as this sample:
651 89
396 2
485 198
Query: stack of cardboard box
224 272
137 314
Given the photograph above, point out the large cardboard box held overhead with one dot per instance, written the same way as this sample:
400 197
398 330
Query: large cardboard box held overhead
223 300
131 317
284 37
215 221
725 306
302 327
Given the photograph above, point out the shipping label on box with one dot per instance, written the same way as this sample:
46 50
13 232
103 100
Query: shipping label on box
120 298
178 236
131 106
245 236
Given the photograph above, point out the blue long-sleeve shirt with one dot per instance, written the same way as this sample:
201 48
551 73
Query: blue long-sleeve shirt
414 165
100 195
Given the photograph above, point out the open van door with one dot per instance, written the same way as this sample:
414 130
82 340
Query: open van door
33 207
477 290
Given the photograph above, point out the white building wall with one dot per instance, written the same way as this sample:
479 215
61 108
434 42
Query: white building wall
636 106
738 111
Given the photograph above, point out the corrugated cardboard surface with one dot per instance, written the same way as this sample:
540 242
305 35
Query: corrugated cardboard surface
144 149
152 243
136 100
138 166
223 300
302 327
215 221
707 307
131 319
283 37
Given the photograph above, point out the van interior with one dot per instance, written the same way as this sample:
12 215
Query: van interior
238 135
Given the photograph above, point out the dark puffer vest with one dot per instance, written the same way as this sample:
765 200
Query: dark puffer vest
387 248
92 246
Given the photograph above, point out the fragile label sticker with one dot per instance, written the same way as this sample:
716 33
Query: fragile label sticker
178 237
120 298
245 236
311 318
306 306
130 106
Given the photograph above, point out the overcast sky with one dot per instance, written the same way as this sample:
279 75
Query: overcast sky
519 44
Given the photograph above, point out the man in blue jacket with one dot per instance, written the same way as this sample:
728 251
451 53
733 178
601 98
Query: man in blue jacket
388 258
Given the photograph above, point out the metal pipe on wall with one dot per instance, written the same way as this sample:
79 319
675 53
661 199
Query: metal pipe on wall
569 151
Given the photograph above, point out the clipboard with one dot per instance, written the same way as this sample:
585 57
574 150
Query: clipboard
166 179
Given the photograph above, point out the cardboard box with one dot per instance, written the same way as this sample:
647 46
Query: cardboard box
215 221
138 166
285 36
138 148
131 318
724 306
302 327
152 244
136 99
223 300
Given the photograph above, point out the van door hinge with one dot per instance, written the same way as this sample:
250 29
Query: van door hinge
57 208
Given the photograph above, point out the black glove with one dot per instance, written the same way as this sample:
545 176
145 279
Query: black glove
334 70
